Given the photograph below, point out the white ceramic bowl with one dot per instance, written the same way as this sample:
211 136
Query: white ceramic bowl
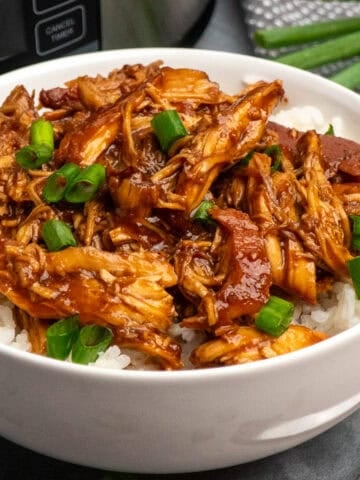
188 420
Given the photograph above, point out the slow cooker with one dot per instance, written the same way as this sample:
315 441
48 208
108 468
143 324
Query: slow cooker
36 30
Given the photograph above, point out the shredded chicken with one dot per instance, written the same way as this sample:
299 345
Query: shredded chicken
234 133
143 260
247 344
325 227
272 205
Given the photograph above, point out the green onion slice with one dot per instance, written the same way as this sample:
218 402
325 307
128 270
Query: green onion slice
168 128
84 186
275 152
355 242
41 148
92 340
354 270
275 316
355 239
57 183
202 213
42 133
33 156
355 224
61 336
57 235
330 130
244 162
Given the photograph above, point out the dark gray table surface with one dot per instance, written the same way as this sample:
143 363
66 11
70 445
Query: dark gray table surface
334 455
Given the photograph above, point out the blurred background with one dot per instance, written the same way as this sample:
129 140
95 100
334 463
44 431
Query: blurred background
38 30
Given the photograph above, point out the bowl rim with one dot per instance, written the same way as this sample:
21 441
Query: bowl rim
308 354
82 59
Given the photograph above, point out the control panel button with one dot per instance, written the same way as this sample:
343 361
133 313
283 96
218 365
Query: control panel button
43 6
60 31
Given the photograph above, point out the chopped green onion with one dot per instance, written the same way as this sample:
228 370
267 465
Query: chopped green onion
92 340
354 270
275 316
84 186
244 162
61 336
57 235
298 34
41 147
330 130
355 242
42 133
275 152
33 156
57 183
168 128
355 239
356 224
331 51
202 213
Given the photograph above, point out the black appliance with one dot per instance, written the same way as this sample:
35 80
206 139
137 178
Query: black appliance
35 30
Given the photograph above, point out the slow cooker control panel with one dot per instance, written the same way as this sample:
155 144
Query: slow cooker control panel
47 29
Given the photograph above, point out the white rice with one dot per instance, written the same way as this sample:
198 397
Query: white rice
8 335
308 118
335 312
112 358
189 339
